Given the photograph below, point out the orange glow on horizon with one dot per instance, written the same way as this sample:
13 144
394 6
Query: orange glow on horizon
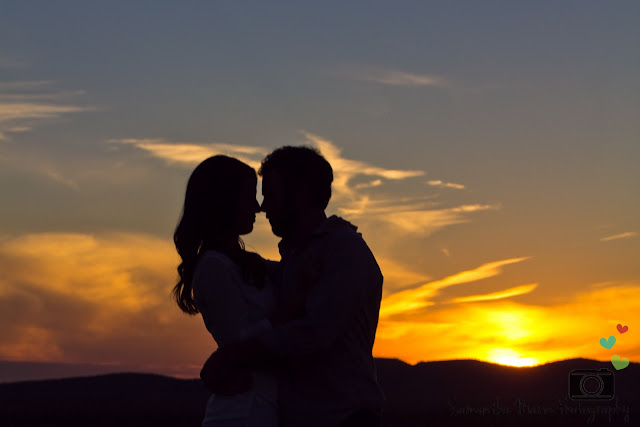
107 297
510 333
509 357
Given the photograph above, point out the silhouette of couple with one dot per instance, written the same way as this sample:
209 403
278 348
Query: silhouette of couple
295 336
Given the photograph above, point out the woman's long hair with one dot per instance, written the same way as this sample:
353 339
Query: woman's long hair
207 213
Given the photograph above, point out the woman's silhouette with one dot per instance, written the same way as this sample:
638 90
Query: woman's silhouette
231 287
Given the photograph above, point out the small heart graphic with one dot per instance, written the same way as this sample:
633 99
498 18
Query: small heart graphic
619 364
622 329
608 343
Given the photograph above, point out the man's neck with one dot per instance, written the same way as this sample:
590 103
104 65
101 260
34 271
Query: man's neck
304 227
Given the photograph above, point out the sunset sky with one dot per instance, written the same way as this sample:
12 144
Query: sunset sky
488 151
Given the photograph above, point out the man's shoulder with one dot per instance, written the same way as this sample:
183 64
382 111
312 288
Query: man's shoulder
336 227
342 238
335 222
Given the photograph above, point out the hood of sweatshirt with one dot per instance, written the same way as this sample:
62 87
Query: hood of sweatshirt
334 223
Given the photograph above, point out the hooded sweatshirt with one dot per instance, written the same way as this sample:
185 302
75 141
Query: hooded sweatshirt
330 371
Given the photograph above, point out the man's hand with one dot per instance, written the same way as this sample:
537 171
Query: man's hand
222 377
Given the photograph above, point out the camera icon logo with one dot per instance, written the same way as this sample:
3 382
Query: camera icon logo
591 384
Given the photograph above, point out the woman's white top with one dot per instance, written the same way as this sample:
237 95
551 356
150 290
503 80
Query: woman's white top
233 310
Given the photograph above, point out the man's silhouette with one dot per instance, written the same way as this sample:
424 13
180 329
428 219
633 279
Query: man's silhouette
328 375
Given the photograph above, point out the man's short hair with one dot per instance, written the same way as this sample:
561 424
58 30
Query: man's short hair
302 164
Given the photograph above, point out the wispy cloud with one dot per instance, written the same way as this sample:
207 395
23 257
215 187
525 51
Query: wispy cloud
425 222
417 218
344 170
398 276
11 111
442 184
625 235
370 184
506 293
190 154
401 78
17 129
393 77
411 300
349 196
379 207
24 104
41 96
59 178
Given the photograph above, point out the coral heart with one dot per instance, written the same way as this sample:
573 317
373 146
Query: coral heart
619 364
622 329
608 343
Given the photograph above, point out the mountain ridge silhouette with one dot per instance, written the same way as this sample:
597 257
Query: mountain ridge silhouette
428 393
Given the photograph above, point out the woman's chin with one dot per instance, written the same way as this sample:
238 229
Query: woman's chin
247 230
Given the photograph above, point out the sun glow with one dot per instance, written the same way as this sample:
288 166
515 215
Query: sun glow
509 357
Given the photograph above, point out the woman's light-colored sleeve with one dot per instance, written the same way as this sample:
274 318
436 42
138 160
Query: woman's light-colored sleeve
219 298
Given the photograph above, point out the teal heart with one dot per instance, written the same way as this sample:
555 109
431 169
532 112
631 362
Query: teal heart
619 364
608 343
